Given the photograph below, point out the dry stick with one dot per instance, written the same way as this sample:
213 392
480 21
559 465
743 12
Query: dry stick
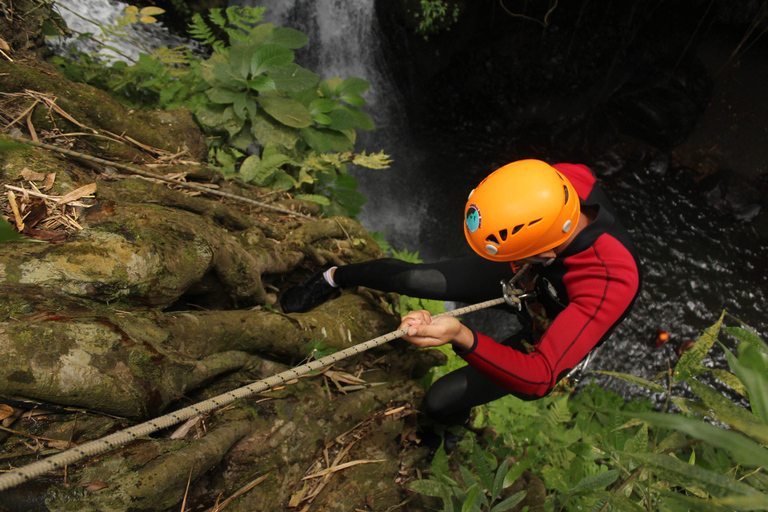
140 172
90 449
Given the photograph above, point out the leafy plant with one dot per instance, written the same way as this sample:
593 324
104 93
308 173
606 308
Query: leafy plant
476 492
434 16
595 451
272 122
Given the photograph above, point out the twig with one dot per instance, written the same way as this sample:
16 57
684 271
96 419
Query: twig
239 493
339 467
186 492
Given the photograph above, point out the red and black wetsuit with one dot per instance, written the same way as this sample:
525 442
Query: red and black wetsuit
586 292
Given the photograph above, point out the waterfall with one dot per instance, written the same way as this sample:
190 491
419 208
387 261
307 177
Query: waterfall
345 41
86 16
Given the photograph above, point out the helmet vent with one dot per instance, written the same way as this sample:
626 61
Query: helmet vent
534 222
503 234
517 228
492 238
565 189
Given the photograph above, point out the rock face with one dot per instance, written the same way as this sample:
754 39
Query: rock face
152 299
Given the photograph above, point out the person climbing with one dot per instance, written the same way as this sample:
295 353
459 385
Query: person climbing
585 276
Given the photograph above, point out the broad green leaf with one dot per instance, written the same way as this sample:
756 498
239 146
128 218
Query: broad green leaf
283 181
269 131
510 503
321 118
554 477
353 85
252 170
515 472
331 87
322 105
598 481
635 380
315 198
222 73
346 118
240 56
259 34
262 83
286 110
689 364
242 139
7 233
728 412
324 140
269 57
353 99
750 369
745 334
288 37
293 78
743 449
239 104
221 95
684 475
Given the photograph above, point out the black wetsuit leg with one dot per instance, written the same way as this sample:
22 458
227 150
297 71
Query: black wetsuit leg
469 279
451 398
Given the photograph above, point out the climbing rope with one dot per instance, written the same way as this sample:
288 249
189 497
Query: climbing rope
147 174
92 448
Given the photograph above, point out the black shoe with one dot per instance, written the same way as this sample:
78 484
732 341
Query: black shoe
307 295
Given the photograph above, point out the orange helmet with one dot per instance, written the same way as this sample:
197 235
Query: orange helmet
520 210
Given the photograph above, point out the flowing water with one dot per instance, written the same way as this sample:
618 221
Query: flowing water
697 261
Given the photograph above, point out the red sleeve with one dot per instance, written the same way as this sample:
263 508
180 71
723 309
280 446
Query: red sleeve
601 283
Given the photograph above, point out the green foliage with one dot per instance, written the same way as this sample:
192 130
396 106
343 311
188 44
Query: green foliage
7 233
435 16
478 491
595 451
270 121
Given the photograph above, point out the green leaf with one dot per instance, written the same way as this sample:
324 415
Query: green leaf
640 441
687 503
516 472
288 37
595 482
293 78
472 499
322 105
353 99
286 110
283 181
498 481
324 140
750 369
268 131
331 87
315 198
728 412
510 503
689 364
269 57
743 449
730 380
682 474
744 502
353 85
635 380
8 234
